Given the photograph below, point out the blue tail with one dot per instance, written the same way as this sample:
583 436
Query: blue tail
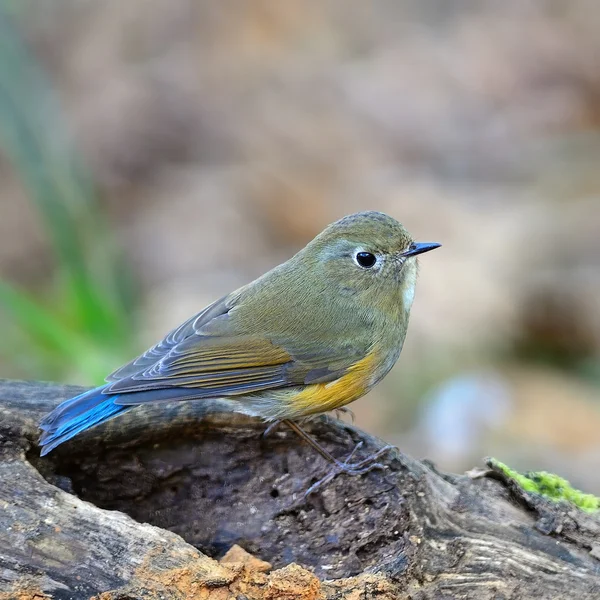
97 406
76 415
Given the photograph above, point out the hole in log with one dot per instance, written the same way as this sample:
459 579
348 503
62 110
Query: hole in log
217 484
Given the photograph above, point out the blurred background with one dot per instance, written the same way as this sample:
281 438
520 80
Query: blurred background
156 155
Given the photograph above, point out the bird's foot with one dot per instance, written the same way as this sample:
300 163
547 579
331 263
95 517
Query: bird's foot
272 426
344 410
358 468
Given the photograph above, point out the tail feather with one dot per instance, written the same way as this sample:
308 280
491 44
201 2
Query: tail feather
76 415
96 406
71 408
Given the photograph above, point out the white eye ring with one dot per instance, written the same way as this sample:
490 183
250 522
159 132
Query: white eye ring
365 259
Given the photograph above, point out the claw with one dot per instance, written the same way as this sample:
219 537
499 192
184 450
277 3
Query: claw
270 428
345 411
359 468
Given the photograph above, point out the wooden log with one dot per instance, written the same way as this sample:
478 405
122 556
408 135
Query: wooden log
146 505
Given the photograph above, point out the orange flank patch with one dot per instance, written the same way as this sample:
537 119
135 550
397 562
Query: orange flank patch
323 397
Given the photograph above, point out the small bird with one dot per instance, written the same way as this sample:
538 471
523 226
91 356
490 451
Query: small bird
310 336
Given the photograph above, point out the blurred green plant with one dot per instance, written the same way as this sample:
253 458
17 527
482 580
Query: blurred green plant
83 327
550 486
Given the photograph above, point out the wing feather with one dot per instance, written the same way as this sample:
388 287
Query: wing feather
207 357
213 364
178 335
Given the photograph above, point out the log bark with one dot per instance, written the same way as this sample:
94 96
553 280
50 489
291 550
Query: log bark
151 504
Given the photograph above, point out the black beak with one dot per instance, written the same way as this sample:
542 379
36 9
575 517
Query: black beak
418 248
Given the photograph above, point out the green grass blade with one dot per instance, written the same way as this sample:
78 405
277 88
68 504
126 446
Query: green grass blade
49 336
35 138
95 289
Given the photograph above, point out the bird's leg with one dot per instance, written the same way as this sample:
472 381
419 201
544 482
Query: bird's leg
345 411
272 426
357 468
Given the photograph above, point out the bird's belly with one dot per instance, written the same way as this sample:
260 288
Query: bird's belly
323 397
313 399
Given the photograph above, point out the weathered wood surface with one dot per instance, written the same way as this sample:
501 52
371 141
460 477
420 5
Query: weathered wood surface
136 508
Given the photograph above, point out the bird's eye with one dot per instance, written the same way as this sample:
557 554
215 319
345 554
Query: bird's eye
365 259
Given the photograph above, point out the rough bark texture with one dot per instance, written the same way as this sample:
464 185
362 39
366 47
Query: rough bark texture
142 507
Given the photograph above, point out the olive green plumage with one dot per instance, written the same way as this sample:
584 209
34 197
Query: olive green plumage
310 335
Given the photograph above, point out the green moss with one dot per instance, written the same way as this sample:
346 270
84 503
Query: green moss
549 486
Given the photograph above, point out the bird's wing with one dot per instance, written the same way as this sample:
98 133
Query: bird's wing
178 335
207 355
